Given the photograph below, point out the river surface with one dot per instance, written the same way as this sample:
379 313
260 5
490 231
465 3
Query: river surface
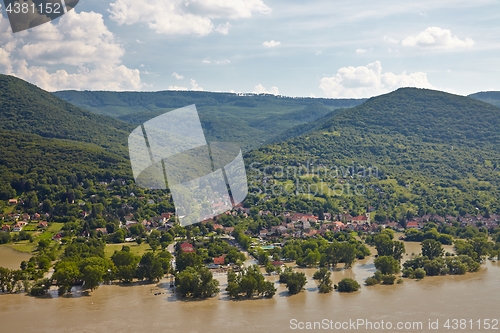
12 259
114 308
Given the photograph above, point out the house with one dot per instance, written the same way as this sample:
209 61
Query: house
6 228
13 201
57 237
26 217
218 226
220 260
412 224
104 231
361 219
43 225
277 263
263 233
186 247
166 215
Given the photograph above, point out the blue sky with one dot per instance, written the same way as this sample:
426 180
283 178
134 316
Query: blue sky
288 47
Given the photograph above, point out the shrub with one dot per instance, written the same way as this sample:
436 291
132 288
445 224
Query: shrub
388 279
419 273
348 285
371 281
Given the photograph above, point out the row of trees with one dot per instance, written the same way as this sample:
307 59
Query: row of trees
84 262
249 283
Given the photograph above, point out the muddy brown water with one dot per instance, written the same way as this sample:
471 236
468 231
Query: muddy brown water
114 308
12 259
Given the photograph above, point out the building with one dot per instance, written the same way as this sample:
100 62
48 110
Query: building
220 260
186 247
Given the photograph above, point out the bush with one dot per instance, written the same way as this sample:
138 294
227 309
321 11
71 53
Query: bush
388 279
408 272
348 285
371 281
419 273
399 281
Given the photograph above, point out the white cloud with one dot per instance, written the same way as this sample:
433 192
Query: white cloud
206 61
223 62
182 17
435 37
194 87
80 44
260 89
359 51
318 52
177 76
223 28
366 81
390 40
271 43
177 88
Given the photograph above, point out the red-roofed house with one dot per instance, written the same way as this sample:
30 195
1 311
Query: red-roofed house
186 247
220 260
412 224
5 228
43 224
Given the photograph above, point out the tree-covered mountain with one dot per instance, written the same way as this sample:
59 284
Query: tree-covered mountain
432 152
248 120
492 97
25 108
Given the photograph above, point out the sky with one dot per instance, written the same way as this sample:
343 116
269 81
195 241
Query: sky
313 48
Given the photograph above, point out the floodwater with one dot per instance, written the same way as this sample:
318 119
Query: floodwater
136 308
12 259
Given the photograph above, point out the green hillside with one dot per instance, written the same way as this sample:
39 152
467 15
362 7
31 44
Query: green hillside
25 108
492 97
249 120
431 152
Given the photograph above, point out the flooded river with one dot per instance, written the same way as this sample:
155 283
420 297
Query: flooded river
12 259
137 309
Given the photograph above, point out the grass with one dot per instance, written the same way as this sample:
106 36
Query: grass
134 248
55 227
23 246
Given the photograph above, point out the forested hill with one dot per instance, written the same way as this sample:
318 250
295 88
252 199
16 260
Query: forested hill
248 120
492 97
434 151
25 108
426 115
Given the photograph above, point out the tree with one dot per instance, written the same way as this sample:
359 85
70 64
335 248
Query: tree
387 265
66 273
196 283
248 283
95 270
296 282
187 259
348 285
325 282
126 264
150 267
432 249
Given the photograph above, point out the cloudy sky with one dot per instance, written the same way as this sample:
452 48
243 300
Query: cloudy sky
321 48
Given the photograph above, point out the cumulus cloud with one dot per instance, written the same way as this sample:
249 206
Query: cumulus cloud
177 76
366 81
271 43
223 28
79 42
435 37
194 87
260 89
183 17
